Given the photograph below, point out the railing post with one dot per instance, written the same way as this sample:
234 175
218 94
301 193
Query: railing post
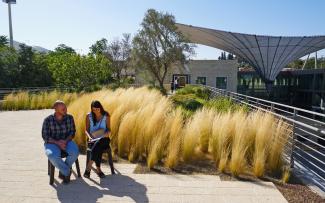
292 161
272 107
257 104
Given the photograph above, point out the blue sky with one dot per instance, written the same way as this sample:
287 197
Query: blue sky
79 24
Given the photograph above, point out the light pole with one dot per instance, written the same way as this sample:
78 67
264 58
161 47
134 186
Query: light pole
9 2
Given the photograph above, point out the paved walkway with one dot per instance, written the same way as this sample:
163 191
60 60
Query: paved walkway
23 175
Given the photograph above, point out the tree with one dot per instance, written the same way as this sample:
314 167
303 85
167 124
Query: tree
100 47
80 72
230 56
297 64
8 66
3 40
32 69
223 56
62 48
119 53
159 44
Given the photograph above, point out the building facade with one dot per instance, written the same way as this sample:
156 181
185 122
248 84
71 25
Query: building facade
300 88
216 73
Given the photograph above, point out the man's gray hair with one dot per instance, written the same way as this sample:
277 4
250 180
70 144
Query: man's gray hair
57 103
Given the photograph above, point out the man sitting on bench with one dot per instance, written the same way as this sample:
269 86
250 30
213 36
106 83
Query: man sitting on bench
57 132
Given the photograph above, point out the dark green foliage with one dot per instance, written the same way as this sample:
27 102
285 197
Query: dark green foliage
23 68
3 40
192 104
81 72
187 101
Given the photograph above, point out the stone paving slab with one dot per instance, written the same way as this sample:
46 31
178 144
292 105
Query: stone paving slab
23 175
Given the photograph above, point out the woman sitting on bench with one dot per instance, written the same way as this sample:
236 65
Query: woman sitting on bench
98 130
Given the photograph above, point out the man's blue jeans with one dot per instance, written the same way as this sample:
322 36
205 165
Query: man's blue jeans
53 152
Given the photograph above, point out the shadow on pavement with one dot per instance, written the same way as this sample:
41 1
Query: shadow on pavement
113 185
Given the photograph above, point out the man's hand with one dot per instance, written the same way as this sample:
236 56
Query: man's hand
62 144
68 139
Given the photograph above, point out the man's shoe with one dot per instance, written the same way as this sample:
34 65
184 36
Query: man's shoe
66 180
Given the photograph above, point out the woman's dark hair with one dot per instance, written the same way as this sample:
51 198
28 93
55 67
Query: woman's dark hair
97 104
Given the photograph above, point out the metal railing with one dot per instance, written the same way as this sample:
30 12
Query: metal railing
305 148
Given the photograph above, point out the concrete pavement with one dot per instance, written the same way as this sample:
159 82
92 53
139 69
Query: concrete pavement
23 175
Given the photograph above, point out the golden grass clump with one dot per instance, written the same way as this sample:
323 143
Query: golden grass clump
175 139
191 139
222 136
280 137
125 132
262 143
205 130
146 126
157 148
197 133
286 175
241 142
28 101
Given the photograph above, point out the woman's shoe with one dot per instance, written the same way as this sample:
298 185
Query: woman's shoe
113 171
87 174
101 174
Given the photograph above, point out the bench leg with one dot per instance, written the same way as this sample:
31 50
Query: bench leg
48 167
52 170
78 168
87 157
110 160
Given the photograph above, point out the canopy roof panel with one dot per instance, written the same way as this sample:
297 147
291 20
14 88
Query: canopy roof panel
267 54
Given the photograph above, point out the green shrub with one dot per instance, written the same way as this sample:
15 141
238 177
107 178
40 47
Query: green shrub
222 104
199 92
192 104
189 102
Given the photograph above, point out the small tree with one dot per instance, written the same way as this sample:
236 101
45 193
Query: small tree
62 48
119 53
3 40
230 56
159 44
100 47
8 67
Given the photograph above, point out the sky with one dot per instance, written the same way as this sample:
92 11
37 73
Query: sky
79 23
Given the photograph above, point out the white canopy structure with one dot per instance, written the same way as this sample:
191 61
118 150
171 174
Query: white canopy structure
267 54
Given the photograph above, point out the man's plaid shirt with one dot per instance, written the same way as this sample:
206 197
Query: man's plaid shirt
58 130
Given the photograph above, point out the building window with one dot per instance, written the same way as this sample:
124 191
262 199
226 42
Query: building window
201 80
221 82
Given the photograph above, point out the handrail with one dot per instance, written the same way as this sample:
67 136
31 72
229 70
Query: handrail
279 104
306 131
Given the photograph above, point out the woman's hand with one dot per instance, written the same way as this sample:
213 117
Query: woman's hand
107 134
